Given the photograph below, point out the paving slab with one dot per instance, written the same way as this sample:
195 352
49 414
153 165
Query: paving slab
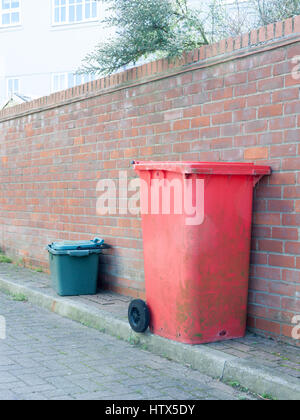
263 366
95 366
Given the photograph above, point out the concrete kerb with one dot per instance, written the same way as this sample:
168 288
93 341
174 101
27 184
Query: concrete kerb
211 362
262 380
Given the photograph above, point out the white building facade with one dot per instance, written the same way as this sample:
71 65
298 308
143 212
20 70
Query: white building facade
42 44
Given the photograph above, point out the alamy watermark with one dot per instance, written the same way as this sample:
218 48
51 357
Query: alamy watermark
296 68
2 328
296 319
158 195
296 329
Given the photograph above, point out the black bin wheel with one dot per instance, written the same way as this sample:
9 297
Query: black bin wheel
138 315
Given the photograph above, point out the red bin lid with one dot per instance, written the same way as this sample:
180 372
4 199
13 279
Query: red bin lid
216 168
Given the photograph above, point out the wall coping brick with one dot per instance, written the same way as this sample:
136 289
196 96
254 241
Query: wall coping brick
259 40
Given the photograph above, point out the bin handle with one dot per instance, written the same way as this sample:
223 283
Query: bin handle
79 253
98 241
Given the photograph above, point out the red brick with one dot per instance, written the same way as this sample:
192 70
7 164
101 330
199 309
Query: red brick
213 108
266 191
260 206
229 130
244 115
261 232
273 327
209 156
287 330
279 29
173 115
288 26
222 118
257 311
271 84
291 276
291 219
290 164
284 233
268 300
260 73
245 90
163 128
282 289
271 246
188 135
210 132
292 136
283 123
231 155
270 111
222 94
213 84
292 50
174 93
281 261
292 248
181 147
292 79
282 178
285 95
283 68
271 273
292 107
221 143
245 140
281 205
267 219
291 304
292 192
181 125
193 89
258 285
256 153
236 79
233 104
259 99
200 122
194 111
256 126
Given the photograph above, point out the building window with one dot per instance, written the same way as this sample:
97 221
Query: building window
62 81
58 82
9 12
13 86
74 11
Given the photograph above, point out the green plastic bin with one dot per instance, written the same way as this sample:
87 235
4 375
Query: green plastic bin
74 266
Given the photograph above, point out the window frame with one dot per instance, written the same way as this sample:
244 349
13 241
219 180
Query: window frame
8 92
10 25
67 75
59 74
68 22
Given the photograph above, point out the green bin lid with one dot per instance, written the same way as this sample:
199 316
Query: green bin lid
71 245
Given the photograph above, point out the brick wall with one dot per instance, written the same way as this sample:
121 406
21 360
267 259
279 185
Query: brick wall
237 100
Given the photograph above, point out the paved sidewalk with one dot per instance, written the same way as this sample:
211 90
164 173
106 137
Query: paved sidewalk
264 366
46 357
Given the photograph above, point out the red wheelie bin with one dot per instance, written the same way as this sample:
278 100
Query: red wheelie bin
196 221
